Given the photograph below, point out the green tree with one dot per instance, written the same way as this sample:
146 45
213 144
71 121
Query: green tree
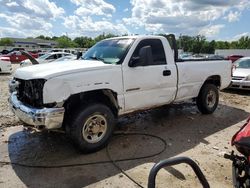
207 47
244 42
197 43
234 45
87 42
44 37
40 37
185 43
221 45
227 45
54 38
84 42
65 42
6 42
104 36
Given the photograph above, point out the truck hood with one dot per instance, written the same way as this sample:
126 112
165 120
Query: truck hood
49 70
241 72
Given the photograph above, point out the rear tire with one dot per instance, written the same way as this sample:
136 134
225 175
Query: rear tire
208 99
91 127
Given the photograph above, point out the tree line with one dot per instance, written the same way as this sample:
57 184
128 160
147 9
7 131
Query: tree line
195 44
199 44
78 42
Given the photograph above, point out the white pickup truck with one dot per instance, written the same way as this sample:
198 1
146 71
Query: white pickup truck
116 76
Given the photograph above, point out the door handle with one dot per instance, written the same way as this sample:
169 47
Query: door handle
166 72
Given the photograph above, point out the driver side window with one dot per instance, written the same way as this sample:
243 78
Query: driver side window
158 52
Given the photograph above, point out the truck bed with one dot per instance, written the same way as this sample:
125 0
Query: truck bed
192 74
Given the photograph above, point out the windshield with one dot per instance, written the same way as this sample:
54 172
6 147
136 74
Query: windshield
110 51
243 63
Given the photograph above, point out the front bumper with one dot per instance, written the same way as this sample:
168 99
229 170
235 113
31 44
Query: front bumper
51 118
240 84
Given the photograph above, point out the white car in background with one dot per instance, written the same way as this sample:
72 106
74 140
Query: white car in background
241 74
46 58
66 58
5 65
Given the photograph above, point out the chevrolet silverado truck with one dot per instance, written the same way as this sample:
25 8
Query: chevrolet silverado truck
115 77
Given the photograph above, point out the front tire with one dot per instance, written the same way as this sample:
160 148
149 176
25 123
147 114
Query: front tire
208 99
91 127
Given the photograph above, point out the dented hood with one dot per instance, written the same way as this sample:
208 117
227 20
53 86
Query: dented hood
49 70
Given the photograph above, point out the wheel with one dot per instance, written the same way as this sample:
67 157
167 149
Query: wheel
235 175
208 99
91 127
240 174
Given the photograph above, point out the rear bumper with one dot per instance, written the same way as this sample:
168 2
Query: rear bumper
240 84
51 118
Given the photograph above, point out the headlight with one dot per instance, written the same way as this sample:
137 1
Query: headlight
13 85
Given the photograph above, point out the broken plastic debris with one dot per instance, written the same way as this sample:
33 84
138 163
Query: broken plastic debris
216 148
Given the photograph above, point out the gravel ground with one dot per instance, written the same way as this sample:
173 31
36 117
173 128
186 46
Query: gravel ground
7 117
204 138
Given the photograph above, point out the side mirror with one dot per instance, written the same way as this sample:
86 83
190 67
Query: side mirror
145 57
134 62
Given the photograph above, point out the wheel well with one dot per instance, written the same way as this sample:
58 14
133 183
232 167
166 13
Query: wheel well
105 96
216 80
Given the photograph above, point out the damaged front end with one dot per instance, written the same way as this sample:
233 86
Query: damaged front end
30 92
26 102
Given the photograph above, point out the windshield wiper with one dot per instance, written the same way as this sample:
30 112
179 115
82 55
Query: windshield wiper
97 58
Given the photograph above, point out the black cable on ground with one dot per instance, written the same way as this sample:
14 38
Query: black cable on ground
111 160
114 162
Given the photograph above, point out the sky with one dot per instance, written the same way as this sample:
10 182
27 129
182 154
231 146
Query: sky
215 19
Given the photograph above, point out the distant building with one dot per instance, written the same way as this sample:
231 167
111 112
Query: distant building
31 43
228 52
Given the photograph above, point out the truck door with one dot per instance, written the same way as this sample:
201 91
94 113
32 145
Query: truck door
151 84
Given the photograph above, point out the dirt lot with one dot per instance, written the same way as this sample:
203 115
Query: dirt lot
204 138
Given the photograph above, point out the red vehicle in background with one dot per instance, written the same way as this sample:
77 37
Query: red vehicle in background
17 57
233 58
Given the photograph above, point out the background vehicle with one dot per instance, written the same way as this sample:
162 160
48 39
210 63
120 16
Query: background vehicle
115 77
66 58
46 58
3 52
5 65
233 58
41 54
16 56
241 74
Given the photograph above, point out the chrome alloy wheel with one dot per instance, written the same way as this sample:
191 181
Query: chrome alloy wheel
94 128
211 99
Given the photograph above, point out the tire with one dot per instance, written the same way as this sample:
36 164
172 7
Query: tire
208 99
91 127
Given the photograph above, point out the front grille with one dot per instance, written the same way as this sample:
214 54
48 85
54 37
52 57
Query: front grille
237 78
30 92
